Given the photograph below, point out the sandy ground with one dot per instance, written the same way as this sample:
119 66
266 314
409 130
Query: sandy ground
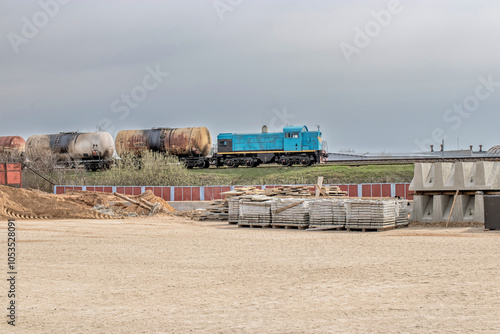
170 275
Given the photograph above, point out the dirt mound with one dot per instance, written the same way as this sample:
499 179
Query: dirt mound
32 204
27 204
88 198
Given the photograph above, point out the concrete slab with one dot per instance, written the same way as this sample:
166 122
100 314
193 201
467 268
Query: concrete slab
188 206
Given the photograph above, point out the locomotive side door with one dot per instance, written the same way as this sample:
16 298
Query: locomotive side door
293 141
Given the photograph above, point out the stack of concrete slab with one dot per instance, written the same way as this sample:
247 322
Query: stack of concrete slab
327 213
255 211
371 214
290 212
402 218
234 210
436 184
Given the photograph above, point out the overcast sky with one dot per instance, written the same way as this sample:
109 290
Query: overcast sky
376 76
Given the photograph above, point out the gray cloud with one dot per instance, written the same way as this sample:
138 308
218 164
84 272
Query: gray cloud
229 75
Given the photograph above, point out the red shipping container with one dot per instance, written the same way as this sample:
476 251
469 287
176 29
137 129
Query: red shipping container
353 190
367 190
165 193
386 190
400 190
208 193
186 193
376 190
195 194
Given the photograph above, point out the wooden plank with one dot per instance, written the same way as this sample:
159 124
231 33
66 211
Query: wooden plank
142 205
288 207
318 185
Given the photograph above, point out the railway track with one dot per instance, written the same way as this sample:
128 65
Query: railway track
359 162
384 161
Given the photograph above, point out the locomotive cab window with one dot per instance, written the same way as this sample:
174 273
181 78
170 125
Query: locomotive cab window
223 143
287 135
295 135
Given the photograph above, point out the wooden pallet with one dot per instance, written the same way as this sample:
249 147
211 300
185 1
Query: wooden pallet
326 227
254 225
313 227
290 226
369 228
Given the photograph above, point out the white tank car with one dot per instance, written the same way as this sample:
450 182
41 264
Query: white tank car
92 148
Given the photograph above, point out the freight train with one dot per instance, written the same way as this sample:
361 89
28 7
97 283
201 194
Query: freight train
295 145
94 150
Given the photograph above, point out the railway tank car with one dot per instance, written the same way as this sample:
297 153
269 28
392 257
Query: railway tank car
12 146
92 149
295 145
191 145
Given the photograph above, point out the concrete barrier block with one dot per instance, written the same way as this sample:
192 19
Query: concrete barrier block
478 210
442 207
492 175
436 208
463 176
418 176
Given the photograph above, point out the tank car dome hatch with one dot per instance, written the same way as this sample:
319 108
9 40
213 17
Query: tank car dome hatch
494 151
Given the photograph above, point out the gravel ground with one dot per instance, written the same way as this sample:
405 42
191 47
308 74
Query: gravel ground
171 275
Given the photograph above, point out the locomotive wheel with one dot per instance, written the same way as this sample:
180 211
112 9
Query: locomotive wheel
231 163
200 163
305 161
250 162
207 164
286 162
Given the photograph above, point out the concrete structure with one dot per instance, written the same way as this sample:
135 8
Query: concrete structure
188 206
435 185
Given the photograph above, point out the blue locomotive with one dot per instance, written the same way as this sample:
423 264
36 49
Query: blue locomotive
295 145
